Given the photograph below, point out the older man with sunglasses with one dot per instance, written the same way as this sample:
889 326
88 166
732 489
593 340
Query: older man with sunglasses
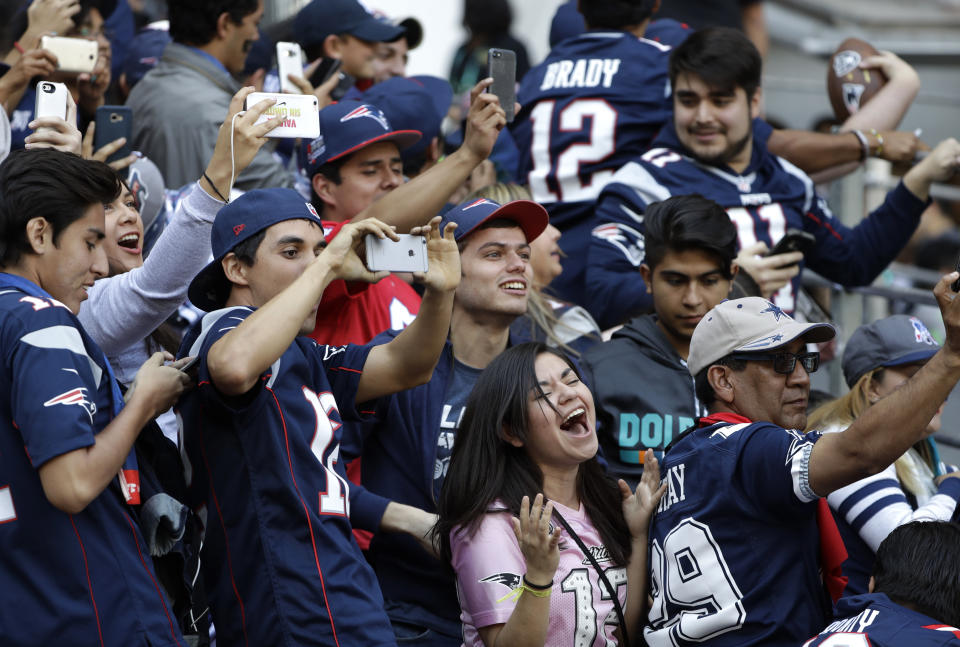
743 550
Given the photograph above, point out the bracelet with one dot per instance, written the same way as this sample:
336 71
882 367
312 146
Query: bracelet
864 146
214 187
532 589
536 587
879 152
17 46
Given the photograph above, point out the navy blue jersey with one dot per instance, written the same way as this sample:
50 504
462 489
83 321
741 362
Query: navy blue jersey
595 103
769 197
734 544
280 562
873 620
68 579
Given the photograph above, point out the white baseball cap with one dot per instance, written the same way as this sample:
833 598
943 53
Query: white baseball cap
747 325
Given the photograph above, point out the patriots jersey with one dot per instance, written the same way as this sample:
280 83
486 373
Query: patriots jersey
734 544
80 579
768 198
595 103
280 563
873 620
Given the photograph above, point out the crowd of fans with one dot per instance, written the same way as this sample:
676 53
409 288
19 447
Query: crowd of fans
584 423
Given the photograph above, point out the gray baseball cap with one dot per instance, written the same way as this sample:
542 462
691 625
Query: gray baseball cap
747 325
892 341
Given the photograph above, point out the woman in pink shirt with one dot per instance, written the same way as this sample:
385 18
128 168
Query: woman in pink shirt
530 574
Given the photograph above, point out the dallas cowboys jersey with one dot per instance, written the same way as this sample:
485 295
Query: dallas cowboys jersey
280 562
734 550
768 198
68 579
873 620
594 104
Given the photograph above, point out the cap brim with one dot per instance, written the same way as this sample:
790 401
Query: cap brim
783 335
530 216
402 138
210 288
375 31
914 357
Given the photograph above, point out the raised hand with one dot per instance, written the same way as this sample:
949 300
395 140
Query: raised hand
322 91
540 546
159 384
443 274
484 121
101 154
770 272
49 17
345 252
54 132
639 506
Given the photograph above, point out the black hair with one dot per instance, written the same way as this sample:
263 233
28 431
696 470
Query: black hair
194 22
246 251
485 467
705 393
615 14
58 187
689 222
918 564
487 19
721 57
331 171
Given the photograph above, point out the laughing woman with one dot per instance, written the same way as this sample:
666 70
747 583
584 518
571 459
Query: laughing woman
572 571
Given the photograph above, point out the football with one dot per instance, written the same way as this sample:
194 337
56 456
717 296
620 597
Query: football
848 86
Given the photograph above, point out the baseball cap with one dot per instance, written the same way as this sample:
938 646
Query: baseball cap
348 126
567 22
321 18
892 341
529 216
413 104
246 216
143 54
747 325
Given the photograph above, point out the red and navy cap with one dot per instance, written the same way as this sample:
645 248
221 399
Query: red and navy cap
348 126
246 216
469 215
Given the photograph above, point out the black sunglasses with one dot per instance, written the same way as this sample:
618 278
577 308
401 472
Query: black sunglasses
785 363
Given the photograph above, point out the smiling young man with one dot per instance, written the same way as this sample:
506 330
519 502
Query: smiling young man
744 513
77 571
716 147
643 390
262 431
406 451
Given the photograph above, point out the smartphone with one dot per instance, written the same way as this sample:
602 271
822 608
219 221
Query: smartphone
327 68
300 114
114 122
795 240
191 367
75 55
409 254
289 61
51 100
502 67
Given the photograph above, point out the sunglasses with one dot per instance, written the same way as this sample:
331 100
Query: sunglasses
785 363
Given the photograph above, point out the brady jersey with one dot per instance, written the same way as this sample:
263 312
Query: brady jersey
280 563
873 620
489 565
68 579
595 103
734 546
768 198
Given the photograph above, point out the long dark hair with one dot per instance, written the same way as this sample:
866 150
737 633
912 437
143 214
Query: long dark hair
485 467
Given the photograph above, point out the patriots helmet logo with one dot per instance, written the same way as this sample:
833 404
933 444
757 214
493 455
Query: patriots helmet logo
77 397
509 580
369 112
477 203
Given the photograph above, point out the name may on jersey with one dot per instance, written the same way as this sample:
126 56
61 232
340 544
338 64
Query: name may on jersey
581 73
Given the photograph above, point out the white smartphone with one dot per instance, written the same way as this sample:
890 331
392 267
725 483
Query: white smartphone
51 100
409 254
289 61
76 55
300 114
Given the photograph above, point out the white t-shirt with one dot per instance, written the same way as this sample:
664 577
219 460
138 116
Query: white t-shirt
489 565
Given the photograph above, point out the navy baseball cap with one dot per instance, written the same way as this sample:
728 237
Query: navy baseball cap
567 23
892 341
529 216
246 216
413 104
348 126
143 54
321 18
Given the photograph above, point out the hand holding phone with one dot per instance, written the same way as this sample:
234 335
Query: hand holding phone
300 114
112 123
74 55
502 68
51 100
289 61
409 254
795 240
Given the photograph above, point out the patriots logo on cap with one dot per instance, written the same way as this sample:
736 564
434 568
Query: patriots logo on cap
366 111
477 203
312 210
777 312
75 396
920 333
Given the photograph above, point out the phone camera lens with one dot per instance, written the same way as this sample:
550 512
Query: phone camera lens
47 87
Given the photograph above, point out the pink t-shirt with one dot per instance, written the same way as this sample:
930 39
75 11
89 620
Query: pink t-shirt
489 565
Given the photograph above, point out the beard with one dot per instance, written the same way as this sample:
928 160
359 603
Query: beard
732 150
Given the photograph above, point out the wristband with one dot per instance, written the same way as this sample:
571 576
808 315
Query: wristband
536 587
214 187
532 589
864 146
879 152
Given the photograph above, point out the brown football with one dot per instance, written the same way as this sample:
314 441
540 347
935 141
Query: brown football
849 86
